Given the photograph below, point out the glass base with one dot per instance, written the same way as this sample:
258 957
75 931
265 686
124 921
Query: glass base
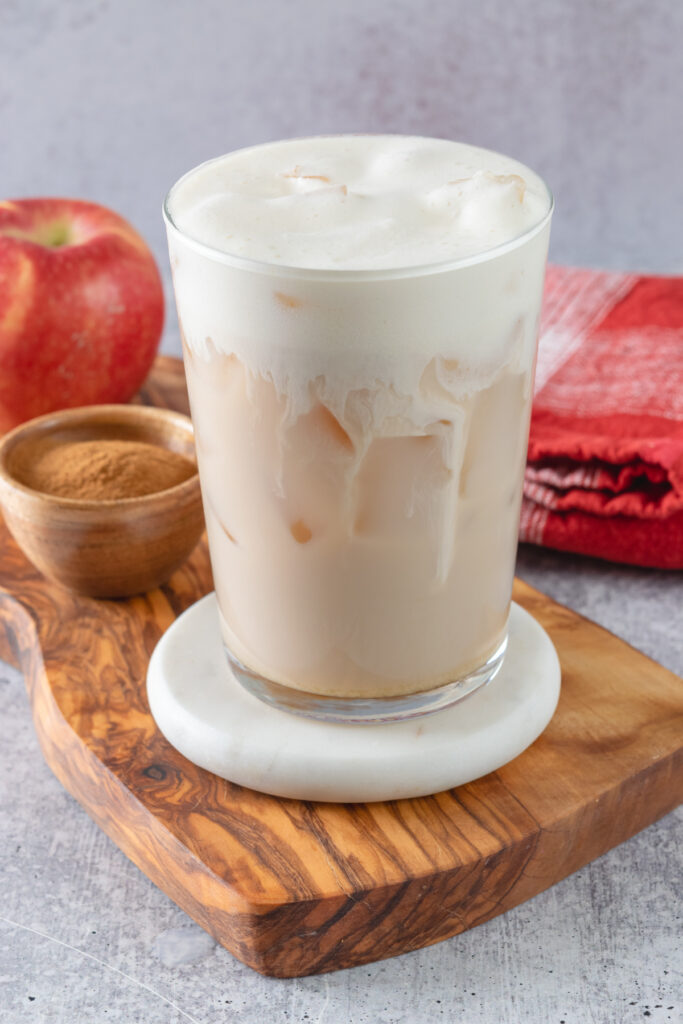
370 710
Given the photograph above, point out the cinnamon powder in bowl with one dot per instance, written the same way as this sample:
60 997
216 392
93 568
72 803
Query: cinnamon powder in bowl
101 470
105 499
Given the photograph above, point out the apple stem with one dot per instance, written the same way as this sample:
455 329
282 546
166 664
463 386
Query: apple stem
57 234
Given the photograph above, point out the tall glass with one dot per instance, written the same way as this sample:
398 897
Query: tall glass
361 439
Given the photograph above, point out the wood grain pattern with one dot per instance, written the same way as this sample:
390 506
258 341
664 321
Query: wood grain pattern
295 888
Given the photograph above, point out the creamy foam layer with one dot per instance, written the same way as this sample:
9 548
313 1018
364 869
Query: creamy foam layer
354 328
359 202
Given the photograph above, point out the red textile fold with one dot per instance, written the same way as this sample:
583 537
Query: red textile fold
605 465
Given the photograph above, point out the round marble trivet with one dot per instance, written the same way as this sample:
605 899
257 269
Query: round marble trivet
205 714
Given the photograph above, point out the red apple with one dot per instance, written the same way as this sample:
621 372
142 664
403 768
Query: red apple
81 307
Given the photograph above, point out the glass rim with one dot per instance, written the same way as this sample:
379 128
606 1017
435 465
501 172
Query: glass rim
247 263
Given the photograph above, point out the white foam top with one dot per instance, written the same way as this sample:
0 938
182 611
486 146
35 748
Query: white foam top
382 263
358 202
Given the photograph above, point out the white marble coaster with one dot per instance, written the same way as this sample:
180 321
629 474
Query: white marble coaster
205 714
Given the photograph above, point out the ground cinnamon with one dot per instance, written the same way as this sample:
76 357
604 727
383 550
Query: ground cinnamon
104 470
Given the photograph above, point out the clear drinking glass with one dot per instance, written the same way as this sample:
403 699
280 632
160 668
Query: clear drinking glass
361 439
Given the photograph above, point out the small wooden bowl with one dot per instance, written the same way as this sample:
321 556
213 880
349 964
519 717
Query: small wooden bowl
103 548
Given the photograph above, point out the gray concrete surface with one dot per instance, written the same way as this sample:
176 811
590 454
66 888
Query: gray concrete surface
85 937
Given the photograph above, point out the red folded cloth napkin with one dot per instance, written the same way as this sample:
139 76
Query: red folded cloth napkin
605 468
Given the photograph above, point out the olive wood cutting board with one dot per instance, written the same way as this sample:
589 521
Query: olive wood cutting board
296 888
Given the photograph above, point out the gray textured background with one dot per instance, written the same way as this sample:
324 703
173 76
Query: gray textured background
113 100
